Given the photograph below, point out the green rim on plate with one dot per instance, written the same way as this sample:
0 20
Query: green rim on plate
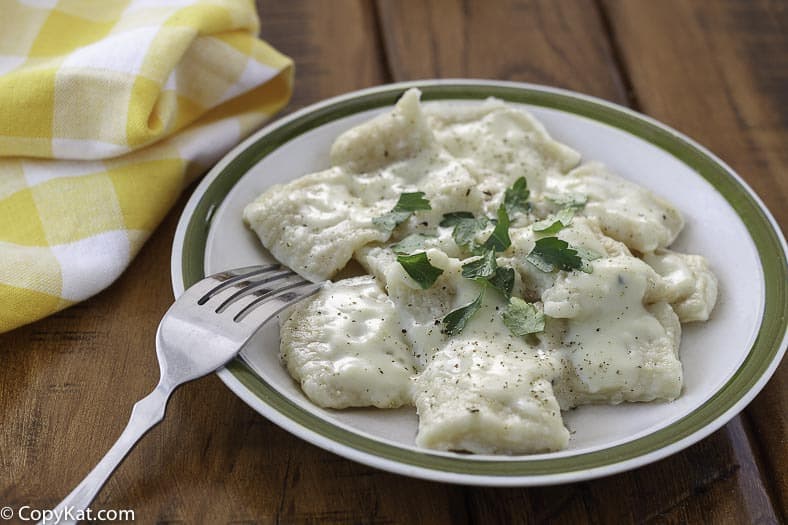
764 350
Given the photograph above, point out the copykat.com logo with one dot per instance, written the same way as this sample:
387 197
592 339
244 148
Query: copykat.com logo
64 515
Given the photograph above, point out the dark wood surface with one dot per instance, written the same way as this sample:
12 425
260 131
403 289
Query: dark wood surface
717 71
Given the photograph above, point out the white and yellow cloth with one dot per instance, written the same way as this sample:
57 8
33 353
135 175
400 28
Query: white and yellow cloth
107 110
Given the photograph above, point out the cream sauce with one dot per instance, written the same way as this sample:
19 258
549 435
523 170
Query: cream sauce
611 335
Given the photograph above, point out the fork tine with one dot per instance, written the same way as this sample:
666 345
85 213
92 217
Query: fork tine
258 287
277 300
232 277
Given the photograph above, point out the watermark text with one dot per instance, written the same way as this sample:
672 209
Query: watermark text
28 513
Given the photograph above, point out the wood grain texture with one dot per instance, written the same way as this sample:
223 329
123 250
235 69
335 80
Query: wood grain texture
718 71
715 481
561 43
68 382
335 45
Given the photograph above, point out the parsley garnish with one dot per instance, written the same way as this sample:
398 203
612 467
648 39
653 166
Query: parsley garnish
573 200
515 199
419 268
456 217
412 202
456 320
466 226
503 280
522 318
550 253
406 205
555 223
499 239
481 268
586 255
485 270
411 243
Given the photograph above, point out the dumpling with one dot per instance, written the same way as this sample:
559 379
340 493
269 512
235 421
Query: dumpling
691 287
344 346
626 212
495 402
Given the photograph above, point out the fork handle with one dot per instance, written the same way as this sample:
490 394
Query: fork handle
147 412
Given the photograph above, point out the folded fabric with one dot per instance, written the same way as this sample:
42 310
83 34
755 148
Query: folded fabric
107 111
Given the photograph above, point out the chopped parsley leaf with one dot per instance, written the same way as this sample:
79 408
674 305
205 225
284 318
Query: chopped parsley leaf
555 223
550 253
499 239
391 220
587 256
575 201
419 268
522 318
412 202
454 218
515 199
485 270
406 205
480 268
411 243
466 227
456 320
503 280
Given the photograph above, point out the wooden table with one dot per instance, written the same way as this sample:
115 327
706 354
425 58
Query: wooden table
717 71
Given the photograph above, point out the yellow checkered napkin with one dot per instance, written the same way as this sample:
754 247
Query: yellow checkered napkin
107 110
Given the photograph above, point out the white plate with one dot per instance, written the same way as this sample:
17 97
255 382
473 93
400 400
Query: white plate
726 360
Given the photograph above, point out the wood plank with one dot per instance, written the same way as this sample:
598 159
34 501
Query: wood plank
718 71
335 45
68 383
560 43
566 45
714 481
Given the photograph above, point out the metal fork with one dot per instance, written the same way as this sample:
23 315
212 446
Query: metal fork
205 328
